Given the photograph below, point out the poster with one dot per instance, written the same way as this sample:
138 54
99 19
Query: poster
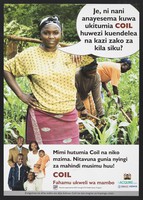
96 167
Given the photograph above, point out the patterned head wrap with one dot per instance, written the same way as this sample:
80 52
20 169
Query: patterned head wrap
89 67
50 20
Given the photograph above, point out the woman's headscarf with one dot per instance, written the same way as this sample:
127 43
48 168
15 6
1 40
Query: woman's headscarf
125 60
90 67
50 20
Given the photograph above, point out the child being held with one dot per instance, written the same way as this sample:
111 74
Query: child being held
41 163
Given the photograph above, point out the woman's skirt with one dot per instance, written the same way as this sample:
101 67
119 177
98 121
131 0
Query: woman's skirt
48 128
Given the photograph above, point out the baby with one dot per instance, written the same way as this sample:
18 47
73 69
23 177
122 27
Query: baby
41 163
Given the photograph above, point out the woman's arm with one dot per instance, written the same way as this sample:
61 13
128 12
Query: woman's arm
104 85
26 98
115 90
96 93
28 163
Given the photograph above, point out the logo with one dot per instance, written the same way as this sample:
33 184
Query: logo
126 182
55 187
127 177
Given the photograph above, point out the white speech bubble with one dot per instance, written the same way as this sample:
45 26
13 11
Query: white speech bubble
107 30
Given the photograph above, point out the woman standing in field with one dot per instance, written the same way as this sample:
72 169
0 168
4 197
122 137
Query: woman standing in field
51 117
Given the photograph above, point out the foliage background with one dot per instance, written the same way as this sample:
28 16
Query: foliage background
29 16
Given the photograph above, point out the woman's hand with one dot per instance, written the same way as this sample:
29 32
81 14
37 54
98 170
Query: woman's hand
12 164
103 120
76 59
109 94
84 113
29 99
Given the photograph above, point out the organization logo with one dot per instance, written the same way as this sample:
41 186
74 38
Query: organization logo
127 181
127 176
55 187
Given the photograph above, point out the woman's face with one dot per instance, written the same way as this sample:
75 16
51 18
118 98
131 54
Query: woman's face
124 67
50 36
91 73
34 146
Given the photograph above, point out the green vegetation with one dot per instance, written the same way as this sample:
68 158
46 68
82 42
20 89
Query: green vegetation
28 17
117 129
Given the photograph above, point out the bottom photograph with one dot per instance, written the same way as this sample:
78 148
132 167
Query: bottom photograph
74 170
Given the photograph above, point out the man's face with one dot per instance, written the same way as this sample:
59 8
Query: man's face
20 142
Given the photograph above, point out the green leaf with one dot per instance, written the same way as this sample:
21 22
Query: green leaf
124 124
